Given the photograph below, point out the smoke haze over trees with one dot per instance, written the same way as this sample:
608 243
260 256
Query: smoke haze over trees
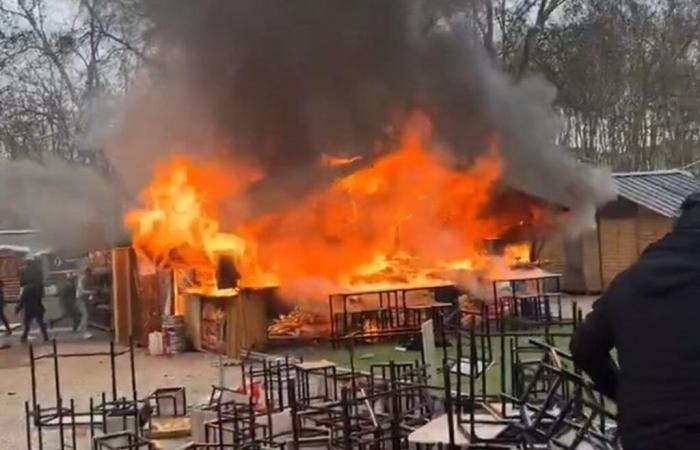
626 72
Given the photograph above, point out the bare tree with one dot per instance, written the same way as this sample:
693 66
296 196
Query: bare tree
627 71
53 73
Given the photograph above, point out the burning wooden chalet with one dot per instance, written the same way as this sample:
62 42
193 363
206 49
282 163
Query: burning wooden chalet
385 241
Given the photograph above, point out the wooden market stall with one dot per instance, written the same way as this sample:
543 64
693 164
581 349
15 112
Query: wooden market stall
148 299
228 322
647 206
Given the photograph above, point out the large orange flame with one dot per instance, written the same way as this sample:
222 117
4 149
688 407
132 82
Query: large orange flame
408 218
394 222
178 226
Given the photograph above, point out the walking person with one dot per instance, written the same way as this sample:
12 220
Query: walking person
650 315
69 306
32 283
8 329
84 292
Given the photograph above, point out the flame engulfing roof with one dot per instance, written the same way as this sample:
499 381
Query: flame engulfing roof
660 191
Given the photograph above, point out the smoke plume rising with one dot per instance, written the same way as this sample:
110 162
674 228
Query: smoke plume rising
277 83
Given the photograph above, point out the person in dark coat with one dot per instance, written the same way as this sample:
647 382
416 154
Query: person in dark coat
651 315
68 301
32 283
8 329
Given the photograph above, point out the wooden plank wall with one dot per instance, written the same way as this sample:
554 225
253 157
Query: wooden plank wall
121 294
9 274
126 305
576 258
560 253
193 318
247 322
623 237
591 262
623 240
652 227
618 240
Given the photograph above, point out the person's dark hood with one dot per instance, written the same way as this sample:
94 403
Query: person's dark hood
674 261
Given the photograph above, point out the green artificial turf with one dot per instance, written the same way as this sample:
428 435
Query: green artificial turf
383 352
366 355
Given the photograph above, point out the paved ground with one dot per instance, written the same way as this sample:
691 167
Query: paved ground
83 378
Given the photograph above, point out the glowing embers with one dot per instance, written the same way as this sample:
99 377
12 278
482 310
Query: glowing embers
374 315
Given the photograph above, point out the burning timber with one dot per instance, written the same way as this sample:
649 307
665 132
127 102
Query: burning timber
379 226
384 237
296 323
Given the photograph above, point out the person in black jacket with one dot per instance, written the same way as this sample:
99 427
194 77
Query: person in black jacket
69 307
651 315
32 283
3 318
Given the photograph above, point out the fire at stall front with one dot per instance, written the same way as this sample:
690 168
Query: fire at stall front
410 217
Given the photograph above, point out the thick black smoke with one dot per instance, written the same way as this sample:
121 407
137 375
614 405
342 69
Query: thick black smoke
280 82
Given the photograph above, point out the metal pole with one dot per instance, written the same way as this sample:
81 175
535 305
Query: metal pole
269 394
559 298
279 385
251 419
395 436
352 365
236 428
347 445
496 302
103 412
40 433
132 365
448 406
28 425
32 365
503 369
56 375
249 390
482 344
113 371
437 317
331 313
92 420
294 412
345 314
459 372
72 422
472 387
221 425
61 436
